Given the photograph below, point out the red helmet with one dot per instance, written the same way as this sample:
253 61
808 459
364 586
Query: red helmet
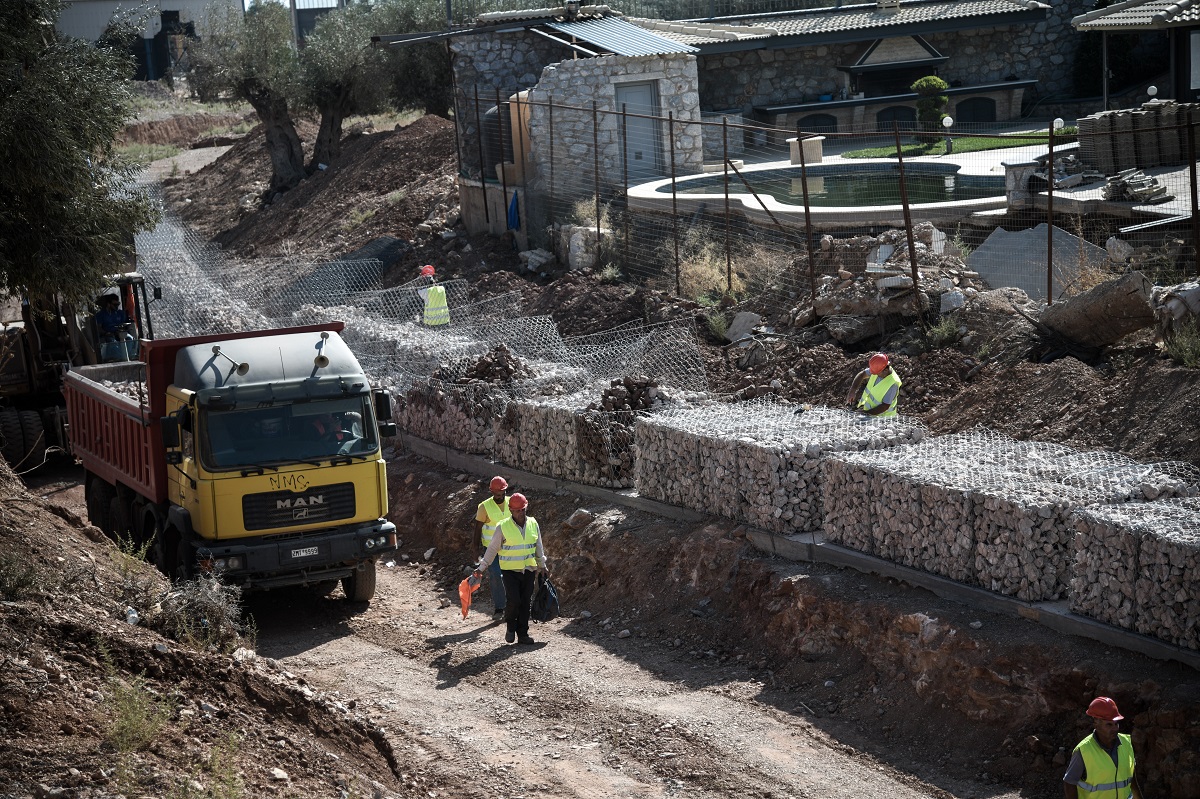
878 363
1104 708
427 270
498 483
517 502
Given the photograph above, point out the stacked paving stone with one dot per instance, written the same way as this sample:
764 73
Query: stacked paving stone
981 508
1150 136
755 461
1135 567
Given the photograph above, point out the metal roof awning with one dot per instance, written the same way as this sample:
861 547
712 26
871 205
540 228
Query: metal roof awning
616 36
1134 15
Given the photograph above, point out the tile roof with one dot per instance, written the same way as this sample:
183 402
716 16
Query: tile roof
869 19
1140 15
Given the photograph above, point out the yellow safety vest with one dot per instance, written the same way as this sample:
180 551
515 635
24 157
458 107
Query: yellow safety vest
876 389
495 515
437 312
1105 779
519 550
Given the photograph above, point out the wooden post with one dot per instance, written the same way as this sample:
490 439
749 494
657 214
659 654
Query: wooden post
1050 218
674 198
912 246
808 231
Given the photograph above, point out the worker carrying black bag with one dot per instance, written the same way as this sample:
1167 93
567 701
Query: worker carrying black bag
545 601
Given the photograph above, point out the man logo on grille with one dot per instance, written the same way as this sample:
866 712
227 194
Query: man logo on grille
300 502
299 513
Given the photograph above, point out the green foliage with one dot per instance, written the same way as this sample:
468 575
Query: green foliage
219 775
943 334
1183 343
19 577
962 144
931 102
420 73
610 274
718 325
69 208
145 154
204 613
134 711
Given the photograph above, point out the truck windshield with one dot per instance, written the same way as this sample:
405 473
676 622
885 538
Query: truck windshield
238 437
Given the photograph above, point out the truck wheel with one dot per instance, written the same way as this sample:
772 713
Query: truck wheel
98 496
12 440
323 588
360 586
34 435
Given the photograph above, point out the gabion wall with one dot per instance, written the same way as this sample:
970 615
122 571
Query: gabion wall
981 508
757 462
1136 567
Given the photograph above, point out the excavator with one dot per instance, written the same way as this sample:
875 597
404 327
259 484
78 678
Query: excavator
41 337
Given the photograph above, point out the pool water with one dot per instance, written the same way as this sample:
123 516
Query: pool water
860 187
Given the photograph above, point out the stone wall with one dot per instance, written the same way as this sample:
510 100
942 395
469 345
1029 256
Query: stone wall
580 83
487 63
1045 52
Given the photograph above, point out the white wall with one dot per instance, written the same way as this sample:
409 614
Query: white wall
86 19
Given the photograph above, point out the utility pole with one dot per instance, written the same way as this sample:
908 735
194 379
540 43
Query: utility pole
295 25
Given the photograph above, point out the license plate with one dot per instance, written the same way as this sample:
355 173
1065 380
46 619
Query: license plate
304 553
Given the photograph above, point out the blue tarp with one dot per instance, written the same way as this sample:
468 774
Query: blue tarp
514 213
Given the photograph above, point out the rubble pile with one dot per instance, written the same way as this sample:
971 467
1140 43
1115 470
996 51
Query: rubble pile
1134 185
983 509
499 365
756 461
1135 567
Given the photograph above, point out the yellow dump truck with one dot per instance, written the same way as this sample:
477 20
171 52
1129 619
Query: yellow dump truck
254 455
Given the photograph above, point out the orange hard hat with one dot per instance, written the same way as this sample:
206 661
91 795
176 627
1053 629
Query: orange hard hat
1104 708
427 270
517 502
878 363
498 483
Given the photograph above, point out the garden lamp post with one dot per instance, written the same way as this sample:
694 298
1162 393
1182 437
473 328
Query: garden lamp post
947 121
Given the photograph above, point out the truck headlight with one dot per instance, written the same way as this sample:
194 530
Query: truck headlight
369 543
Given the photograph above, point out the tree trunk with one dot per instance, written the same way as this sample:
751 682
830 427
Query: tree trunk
283 143
1103 314
328 146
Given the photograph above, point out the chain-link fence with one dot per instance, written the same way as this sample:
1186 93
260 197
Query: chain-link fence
731 204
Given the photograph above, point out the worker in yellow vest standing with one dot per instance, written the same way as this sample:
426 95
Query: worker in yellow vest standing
491 512
518 543
1102 765
880 387
437 311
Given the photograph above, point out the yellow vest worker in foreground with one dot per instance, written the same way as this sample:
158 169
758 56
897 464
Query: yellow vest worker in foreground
880 386
491 512
1102 764
518 542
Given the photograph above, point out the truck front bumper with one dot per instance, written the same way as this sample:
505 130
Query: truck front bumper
278 561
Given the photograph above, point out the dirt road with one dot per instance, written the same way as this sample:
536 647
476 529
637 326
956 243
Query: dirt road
569 716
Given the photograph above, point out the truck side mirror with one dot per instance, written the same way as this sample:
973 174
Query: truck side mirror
170 438
383 405
387 429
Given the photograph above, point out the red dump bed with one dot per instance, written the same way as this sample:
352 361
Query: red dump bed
118 437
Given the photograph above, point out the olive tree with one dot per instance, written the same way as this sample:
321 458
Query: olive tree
68 204
420 73
251 57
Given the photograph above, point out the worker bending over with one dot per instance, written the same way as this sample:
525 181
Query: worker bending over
880 387
491 512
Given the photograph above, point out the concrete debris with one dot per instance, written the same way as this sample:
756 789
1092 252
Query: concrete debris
1018 259
579 519
1175 304
1134 185
742 326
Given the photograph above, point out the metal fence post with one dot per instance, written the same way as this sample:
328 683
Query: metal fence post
503 171
674 198
808 231
725 167
487 217
912 246
1050 219
596 166
550 210
625 172
1191 142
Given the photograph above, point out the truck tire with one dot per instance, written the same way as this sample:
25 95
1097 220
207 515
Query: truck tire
12 440
323 588
34 434
360 586
98 496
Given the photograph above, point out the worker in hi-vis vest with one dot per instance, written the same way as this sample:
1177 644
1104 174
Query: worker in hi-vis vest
491 512
437 311
518 543
879 386
1101 767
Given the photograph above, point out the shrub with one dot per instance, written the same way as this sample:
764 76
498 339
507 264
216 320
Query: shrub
19 578
203 613
1183 343
931 103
